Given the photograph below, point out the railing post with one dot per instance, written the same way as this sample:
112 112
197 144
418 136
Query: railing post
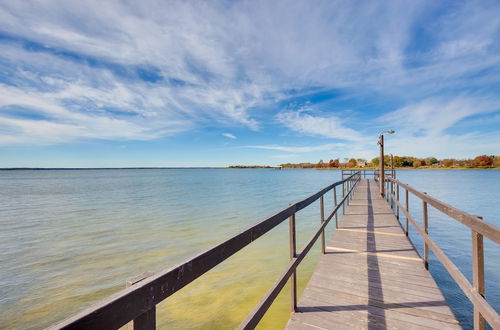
392 194
293 278
335 205
349 187
426 228
322 214
343 196
147 320
407 211
478 275
397 204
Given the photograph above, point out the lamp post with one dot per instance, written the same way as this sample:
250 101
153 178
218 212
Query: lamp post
382 172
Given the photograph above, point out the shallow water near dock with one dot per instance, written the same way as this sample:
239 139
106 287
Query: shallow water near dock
69 238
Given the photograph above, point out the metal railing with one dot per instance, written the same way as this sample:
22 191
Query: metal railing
369 173
138 301
479 229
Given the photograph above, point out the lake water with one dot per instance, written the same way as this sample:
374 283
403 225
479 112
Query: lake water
69 238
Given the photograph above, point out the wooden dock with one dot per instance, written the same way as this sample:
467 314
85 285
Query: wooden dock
371 276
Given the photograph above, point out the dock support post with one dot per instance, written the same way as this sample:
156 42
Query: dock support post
407 211
478 275
334 206
426 228
147 320
293 277
322 214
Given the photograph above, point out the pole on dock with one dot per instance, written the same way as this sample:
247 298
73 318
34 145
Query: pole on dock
322 214
293 253
334 206
397 198
407 211
343 196
478 275
382 174
426 228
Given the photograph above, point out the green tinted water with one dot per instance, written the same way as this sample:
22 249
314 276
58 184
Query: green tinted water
71 238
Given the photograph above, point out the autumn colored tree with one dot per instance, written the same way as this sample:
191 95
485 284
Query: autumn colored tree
320 164
496 161
417 163
447 162
482 161
352 162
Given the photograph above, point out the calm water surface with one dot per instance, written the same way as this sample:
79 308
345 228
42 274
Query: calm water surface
71 238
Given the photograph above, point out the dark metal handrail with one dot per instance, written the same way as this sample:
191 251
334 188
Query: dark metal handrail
138 301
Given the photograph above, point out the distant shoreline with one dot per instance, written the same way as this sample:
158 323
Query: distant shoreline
233 167
101 168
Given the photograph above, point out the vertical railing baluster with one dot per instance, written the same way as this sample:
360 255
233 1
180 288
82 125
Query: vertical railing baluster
478 274
348 188
392 194
322 214
407 211
343 196
293 254
426 229
335 205
397 204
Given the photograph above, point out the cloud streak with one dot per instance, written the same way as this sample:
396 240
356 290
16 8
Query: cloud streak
329 127
324 147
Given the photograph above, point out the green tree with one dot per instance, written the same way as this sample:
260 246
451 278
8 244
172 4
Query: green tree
398 161
433 160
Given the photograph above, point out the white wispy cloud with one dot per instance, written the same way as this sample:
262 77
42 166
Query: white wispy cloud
220 61
229 135
433 116
329 127
323 147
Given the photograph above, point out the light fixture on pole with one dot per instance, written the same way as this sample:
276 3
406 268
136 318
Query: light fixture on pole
381 176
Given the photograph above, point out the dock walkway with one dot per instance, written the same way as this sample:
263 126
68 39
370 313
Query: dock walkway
371 276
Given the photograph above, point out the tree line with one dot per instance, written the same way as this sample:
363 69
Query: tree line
482 161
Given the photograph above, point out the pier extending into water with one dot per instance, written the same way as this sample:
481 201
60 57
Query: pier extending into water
384 283
371 276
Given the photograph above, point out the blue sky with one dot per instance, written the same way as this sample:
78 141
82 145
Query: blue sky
217 83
